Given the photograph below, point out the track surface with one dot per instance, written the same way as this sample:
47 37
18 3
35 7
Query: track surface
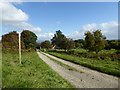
82 77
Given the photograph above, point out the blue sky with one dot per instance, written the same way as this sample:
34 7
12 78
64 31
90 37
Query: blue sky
72 18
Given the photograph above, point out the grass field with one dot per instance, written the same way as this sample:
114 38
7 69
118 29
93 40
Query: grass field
32 73
0 65
106 66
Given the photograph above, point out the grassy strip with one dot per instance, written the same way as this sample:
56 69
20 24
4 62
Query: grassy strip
64 65
105 66
32 73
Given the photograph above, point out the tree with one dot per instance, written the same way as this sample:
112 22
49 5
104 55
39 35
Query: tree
29 39
10 40
95 41
61 41
46 44
58 38
99 41
79 43
89 41
113 44
68 44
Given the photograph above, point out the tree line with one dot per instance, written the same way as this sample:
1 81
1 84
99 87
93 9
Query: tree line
11 40
93 41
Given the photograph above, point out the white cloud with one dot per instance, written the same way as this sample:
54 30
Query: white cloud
17 3
21 26
111 26
109 29
28 26
89 27
15 19
75 35
11 14
12 0
45 36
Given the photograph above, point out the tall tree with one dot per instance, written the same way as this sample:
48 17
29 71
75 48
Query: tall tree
61 41
95 41
29 39
89 41
58 39
99 40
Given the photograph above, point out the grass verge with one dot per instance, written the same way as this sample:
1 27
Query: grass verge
32 73
105 66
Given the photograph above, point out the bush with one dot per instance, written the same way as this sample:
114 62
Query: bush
103 55
115 56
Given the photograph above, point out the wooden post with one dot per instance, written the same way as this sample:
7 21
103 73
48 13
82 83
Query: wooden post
20 47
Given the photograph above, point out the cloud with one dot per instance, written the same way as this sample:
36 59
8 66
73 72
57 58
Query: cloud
12 0
15 19
28 26
21 26
75 35
45 36
11 14
89 27
109 29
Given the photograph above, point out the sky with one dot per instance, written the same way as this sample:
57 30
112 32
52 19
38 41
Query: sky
72 18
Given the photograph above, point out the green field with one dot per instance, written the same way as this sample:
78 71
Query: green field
0 65
106 66
32 73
